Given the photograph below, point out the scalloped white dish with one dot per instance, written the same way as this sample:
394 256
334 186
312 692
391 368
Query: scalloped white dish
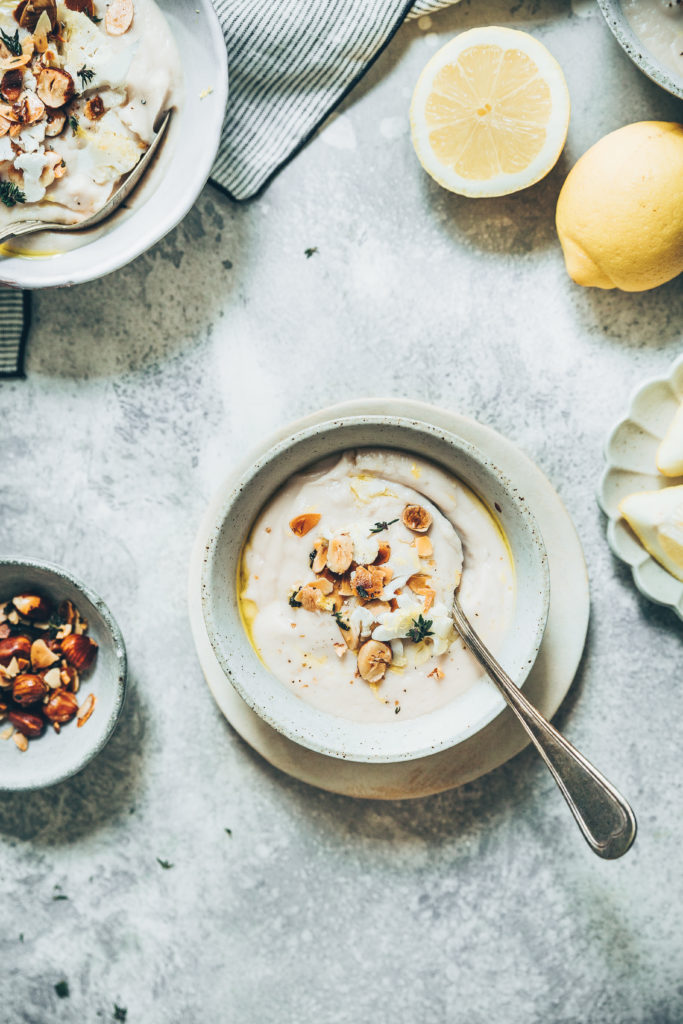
630 454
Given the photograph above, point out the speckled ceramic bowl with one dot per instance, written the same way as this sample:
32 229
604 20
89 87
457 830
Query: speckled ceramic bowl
53 758
279 706
171 185
633 47
630 456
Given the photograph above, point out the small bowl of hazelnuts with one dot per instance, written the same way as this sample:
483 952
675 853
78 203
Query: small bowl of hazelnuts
62 675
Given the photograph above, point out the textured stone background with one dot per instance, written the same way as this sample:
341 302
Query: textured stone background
478 905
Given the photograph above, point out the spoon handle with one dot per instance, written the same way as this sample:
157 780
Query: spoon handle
606 820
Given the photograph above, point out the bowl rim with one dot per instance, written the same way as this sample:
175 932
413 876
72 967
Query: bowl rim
267 456
161 227
647 62
121 658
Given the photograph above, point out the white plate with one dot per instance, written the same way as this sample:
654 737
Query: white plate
630 455
171 185
502 738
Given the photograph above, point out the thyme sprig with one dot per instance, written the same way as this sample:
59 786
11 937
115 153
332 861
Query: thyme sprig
340 621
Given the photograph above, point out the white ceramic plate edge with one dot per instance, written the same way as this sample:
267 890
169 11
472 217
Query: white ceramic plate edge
548 682
650 578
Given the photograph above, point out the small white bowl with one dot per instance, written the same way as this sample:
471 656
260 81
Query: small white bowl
170 186
630 454
53 758
636 50
279 706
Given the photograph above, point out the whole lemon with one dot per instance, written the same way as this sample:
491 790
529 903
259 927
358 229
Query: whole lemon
620 211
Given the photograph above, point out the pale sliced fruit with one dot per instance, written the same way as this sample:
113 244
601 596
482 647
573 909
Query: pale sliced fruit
656 518
490 112
670 452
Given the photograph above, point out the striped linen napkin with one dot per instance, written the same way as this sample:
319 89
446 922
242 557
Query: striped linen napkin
291 63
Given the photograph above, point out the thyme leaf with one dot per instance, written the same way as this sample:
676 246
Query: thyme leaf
420 629
86 76
73 123
362 592
340 621
62 989
11 42
378 527
11 194
165 864
310 252
293 601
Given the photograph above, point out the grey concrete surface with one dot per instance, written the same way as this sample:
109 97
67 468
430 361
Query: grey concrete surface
480 905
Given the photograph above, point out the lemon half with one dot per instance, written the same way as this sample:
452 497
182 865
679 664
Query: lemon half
490 112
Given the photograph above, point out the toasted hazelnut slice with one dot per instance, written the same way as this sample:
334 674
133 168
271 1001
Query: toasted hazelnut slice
41 655
94 108
416 518
119 17
55 121
384 553
418 582
12 84
41 33
373 658
310 598
378 608
14 131
340 649
319 555
20 741
340 553
29 108
368 582
301 525
323 585
429 596
423 546
59 170
345 586
9 113
55 87
436 673
53 678
5 126
387 573
87 709
351 636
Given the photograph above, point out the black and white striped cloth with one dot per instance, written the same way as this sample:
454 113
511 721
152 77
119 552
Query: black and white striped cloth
15 319
291 63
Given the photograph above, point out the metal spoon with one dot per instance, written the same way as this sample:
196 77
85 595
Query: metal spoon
606 820
27 227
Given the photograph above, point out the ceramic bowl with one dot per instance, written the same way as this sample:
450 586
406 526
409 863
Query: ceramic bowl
630 455
53 758
279 706
633 47
170 186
